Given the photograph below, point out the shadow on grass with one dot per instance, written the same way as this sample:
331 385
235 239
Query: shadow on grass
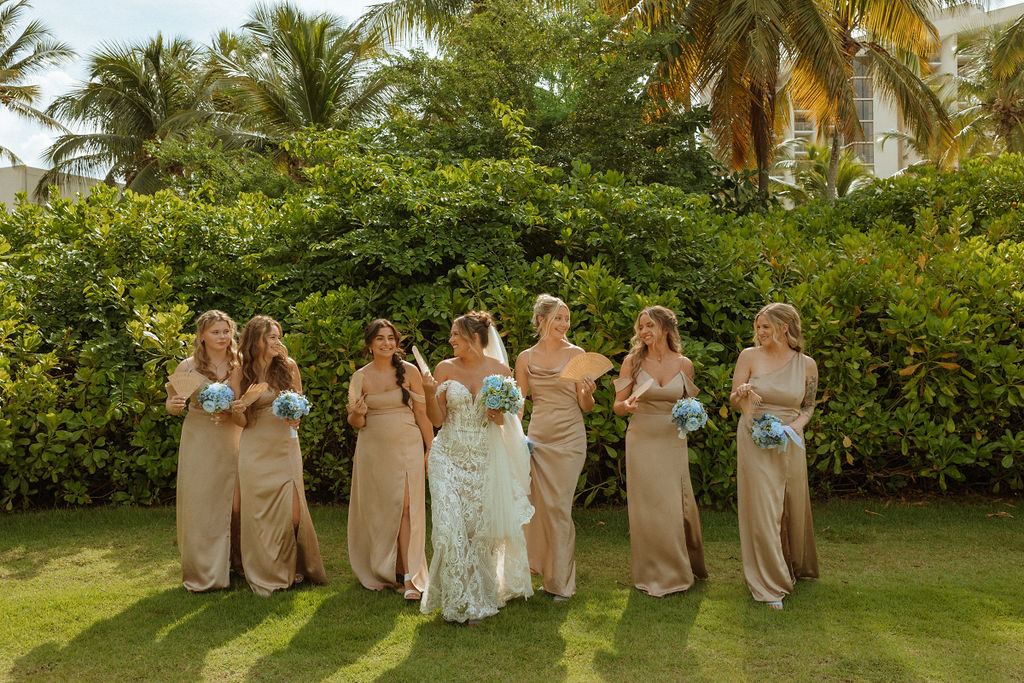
522 642
653 630
344 627
38 541
164 636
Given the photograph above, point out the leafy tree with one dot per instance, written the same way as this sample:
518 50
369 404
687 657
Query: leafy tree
990 90
889 42
136 93
579 83
23 55
735 52
811 164
290 69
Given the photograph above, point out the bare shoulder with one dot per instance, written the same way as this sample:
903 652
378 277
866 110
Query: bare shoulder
496 367
524 356
687 365
444 369
749 353
627 366
413 377
186 365
575 351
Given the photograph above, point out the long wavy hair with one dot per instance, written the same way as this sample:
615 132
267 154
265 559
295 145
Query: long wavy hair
251 347
473 325
663 318
200 357
543 309
779 314
369 333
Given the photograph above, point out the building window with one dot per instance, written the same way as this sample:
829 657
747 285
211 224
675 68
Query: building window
863 97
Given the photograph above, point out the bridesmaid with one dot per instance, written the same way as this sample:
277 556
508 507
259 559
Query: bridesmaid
776 529
279 545
666 544
560 445
207 488
387 513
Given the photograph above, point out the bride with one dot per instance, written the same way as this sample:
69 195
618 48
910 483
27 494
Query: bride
479 480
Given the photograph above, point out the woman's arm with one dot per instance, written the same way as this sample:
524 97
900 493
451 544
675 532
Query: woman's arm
436 406
623 403
810 394
523 378
740 378
419 408
356 410
237 407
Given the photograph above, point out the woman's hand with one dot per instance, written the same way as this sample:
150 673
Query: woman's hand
219 418
587 387
358 407
294 424
237 407
496 416
429 384
631 404
176 404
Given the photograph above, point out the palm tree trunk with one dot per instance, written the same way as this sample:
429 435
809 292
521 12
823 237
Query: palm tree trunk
833 165
762 117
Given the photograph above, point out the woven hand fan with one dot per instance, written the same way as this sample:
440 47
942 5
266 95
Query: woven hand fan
185 383
253 393
421 362
355 387
585 366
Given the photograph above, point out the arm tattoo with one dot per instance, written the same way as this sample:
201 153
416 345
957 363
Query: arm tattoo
810 392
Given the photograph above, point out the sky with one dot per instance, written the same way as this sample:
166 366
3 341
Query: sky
86 24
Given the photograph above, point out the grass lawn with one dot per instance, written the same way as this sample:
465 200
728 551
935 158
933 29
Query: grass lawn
908 592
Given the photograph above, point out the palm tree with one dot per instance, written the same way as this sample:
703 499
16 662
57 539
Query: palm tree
990 88
290 70
810 164
890 41
736 52
28 53
135 94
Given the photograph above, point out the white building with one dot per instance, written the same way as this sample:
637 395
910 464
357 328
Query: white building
14 179
878 115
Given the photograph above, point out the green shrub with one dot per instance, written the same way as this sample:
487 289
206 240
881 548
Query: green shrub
911 296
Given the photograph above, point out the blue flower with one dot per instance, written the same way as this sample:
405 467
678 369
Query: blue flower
493 402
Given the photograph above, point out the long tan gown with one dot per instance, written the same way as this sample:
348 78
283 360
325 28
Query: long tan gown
774 504
207 470
270 475
560 450
388 459
665 539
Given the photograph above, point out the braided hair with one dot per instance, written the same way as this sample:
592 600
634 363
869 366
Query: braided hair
370 333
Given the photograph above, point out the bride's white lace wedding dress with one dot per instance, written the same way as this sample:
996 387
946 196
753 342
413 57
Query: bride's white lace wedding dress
479 560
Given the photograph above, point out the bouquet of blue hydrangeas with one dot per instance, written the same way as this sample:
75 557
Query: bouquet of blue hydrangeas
290 405
769 432
216 397
689 415
501 393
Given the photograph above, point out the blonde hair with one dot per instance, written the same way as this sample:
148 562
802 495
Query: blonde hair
200 357
544 307
779 314
669 324
473 325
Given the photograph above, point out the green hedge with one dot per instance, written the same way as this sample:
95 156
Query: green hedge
910 292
